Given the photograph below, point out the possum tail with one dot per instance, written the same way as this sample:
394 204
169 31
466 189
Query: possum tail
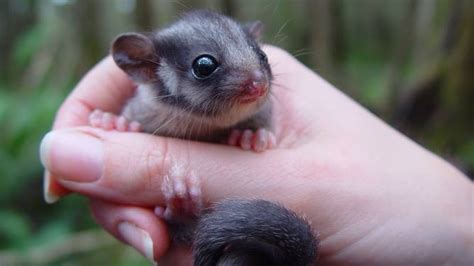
253 232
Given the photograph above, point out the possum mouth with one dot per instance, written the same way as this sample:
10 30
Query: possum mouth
248 96
244 100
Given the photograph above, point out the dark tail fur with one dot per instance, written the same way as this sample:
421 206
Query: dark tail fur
253 232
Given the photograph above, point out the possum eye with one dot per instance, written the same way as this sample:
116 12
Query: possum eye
204 66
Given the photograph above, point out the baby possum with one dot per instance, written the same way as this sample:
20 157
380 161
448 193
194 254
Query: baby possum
205 78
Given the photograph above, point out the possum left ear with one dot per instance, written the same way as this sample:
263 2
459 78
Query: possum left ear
135 54
254 29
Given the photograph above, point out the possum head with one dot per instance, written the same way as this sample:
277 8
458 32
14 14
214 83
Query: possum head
205 63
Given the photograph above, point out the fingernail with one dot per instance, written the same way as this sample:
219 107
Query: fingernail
48 194
52 190
137 238
72 155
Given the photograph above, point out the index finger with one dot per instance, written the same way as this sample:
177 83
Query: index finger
105 87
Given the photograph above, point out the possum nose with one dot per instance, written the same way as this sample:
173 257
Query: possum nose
254 87
257 75
257 84
258 79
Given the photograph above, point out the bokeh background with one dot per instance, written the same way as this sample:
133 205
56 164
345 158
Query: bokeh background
411 62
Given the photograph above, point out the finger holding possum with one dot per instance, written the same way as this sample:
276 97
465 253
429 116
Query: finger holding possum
130 167
135 226
105 87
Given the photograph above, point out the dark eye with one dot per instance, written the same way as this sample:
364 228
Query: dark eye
204 66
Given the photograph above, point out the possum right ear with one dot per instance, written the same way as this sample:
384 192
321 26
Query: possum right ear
135 54
254 29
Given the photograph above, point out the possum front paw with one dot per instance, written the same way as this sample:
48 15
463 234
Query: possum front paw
109 121
258 141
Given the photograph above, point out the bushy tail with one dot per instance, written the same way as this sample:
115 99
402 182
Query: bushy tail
253 232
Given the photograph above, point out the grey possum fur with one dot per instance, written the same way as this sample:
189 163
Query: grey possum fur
170 101
177 97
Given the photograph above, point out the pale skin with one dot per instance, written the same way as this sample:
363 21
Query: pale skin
373 196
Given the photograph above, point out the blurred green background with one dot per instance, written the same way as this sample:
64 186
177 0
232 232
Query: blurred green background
410 62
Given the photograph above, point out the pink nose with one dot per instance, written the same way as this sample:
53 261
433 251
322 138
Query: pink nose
255 86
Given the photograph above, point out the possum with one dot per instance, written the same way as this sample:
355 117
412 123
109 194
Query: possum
205 78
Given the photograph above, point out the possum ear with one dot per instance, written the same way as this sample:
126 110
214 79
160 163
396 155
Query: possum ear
135 54
254 29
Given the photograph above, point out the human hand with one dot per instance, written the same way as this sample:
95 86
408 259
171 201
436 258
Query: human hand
374 196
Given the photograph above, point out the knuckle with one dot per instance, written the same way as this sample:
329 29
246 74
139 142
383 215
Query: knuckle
156 164
133 171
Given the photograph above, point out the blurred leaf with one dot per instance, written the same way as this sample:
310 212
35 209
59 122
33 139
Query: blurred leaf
14 229
52 232
24 121
28 44
467 153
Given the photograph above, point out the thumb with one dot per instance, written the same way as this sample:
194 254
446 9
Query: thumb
129 168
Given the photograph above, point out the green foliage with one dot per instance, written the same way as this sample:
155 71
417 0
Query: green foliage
90 247
369 72
14 229
24 119
26 220
29 43
467 153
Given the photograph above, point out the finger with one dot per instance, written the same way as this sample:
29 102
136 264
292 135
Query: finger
52 190
130 167
105 87
138 227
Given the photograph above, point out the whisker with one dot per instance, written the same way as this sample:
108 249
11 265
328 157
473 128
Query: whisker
302 54
281 29
162 96
181 4
280 85
165 123
190 126
151 61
